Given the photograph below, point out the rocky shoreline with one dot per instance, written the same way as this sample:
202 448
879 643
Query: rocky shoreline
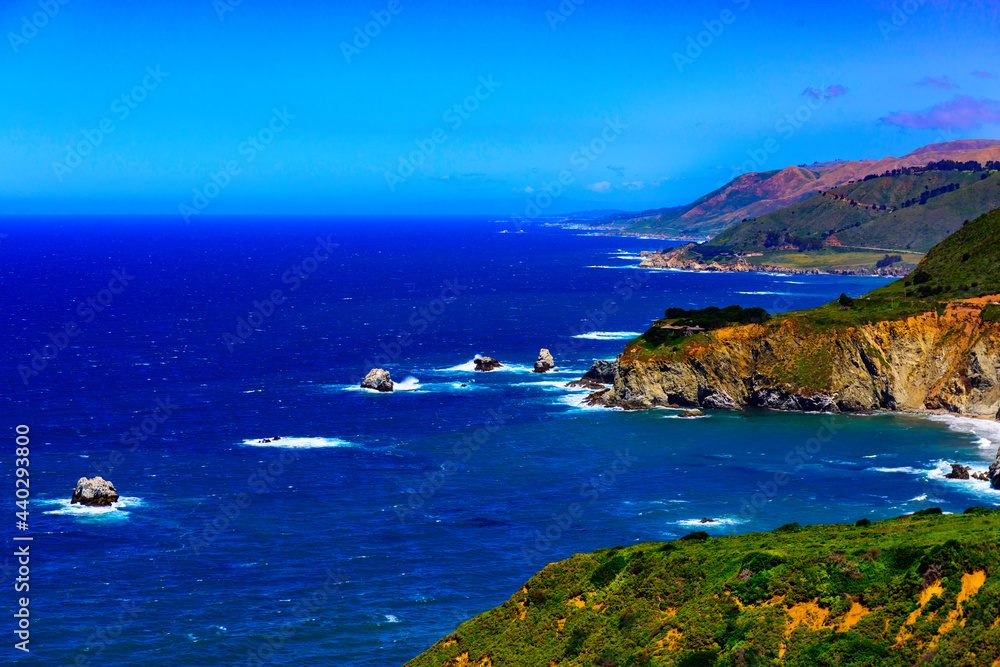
947 363
679 259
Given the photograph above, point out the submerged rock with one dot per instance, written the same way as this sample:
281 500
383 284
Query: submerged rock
545 361
958 471
378 379
94 492
689 414
602 371
487 364
706 520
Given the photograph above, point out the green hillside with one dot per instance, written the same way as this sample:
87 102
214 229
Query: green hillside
922 589
882 213
965 265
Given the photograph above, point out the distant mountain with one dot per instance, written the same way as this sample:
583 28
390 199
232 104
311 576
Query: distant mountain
910 211
756 194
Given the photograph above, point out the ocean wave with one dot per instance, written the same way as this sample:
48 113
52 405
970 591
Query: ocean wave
470 367
299 443
988 432
575 400
774 294
723 522
905 469
550 385
609 335
116 511
407 384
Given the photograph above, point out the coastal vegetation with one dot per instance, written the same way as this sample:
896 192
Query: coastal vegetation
922 589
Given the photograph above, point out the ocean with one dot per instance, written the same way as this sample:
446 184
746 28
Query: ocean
160 355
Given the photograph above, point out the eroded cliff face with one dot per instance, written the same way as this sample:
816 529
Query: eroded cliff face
947 362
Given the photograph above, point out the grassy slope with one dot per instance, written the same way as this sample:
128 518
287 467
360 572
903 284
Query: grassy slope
820 595
916 227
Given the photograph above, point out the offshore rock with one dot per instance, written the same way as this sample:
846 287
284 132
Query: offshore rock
958 471
94 492
545 362
378 380
486 364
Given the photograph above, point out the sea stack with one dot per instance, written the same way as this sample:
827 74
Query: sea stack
958 471
602 372
486 364
94 492
994 473
545 361
378 380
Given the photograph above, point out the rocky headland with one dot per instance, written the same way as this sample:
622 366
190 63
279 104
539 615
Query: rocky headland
682 259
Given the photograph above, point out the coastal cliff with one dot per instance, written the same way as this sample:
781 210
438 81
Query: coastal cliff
946 359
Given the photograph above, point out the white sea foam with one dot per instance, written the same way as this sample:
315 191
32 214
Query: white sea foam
299 443
391 619
988 432
723 522
407 384
576 400
116 511
470 367
906 469
773 294
609 335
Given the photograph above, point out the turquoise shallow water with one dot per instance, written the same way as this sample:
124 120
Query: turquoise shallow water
379 522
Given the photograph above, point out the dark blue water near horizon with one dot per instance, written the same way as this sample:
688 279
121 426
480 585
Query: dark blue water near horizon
377 523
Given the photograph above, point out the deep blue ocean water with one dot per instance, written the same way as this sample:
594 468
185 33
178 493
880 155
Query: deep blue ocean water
377 523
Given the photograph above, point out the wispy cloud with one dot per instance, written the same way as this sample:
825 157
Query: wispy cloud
944 83
982 74
835 90
962 113
602 187
634 186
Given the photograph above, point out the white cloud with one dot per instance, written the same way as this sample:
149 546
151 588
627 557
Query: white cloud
601 187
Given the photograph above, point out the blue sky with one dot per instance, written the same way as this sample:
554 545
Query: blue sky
266 107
